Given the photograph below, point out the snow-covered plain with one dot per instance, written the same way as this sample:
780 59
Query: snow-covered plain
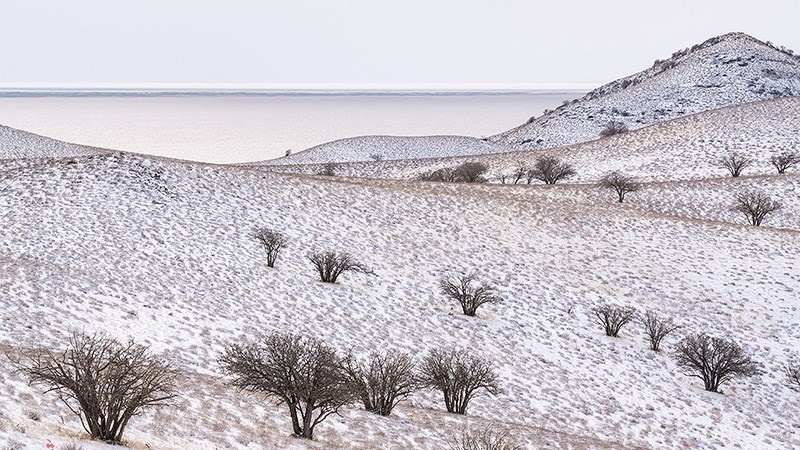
161 251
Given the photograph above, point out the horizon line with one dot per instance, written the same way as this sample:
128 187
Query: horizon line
308 87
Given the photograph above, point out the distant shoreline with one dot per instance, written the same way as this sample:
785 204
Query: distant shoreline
70 93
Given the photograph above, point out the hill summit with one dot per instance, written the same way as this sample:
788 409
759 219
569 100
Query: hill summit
725 70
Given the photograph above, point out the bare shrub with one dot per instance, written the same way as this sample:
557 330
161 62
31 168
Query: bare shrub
714 360
383 380
444 174
520 172
484 438
303 373
735 163
328 169
785 161
467 293
459 376
613 317
792 371
657 328
468 172
103 381
471 172
620 183
330 265
755 205
614 127
551 170
376 156
272 241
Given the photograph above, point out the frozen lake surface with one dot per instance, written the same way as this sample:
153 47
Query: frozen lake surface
226 128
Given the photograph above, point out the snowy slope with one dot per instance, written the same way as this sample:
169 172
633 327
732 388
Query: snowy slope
160 251
686 148
366 148
725 70
22 144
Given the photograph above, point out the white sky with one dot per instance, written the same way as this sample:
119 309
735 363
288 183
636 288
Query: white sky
362 43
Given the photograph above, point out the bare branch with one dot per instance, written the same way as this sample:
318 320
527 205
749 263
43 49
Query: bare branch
302 372
755 205
613 318
620 183
657 328
330 265
383 380
735 163
550 170
103 381
714 360
272 241
469 296
785 161
459 376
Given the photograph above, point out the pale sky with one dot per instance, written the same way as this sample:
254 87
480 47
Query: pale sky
362 43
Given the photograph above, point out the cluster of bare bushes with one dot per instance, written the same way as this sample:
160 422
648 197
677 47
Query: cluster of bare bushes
713 359
314 380
735 162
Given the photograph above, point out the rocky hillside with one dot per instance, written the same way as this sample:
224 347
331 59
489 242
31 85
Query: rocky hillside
723 71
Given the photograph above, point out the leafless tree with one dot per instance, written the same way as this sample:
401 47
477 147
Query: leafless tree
468 172
383 380
304 373
620 183
551 170
468 293
503 177
657 328
735 163
103 381
328 169
714 360
484 438
471 172
614 127
785 161
459 376
755 205
446 174
793 375
273 242
521 171
613 317
330 265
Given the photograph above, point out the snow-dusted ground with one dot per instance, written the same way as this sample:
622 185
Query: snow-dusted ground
160 251
371 148
22 144
727 70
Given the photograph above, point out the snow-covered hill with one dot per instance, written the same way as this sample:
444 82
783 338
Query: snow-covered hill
723 71
22 144
371 148
686 148
161 251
